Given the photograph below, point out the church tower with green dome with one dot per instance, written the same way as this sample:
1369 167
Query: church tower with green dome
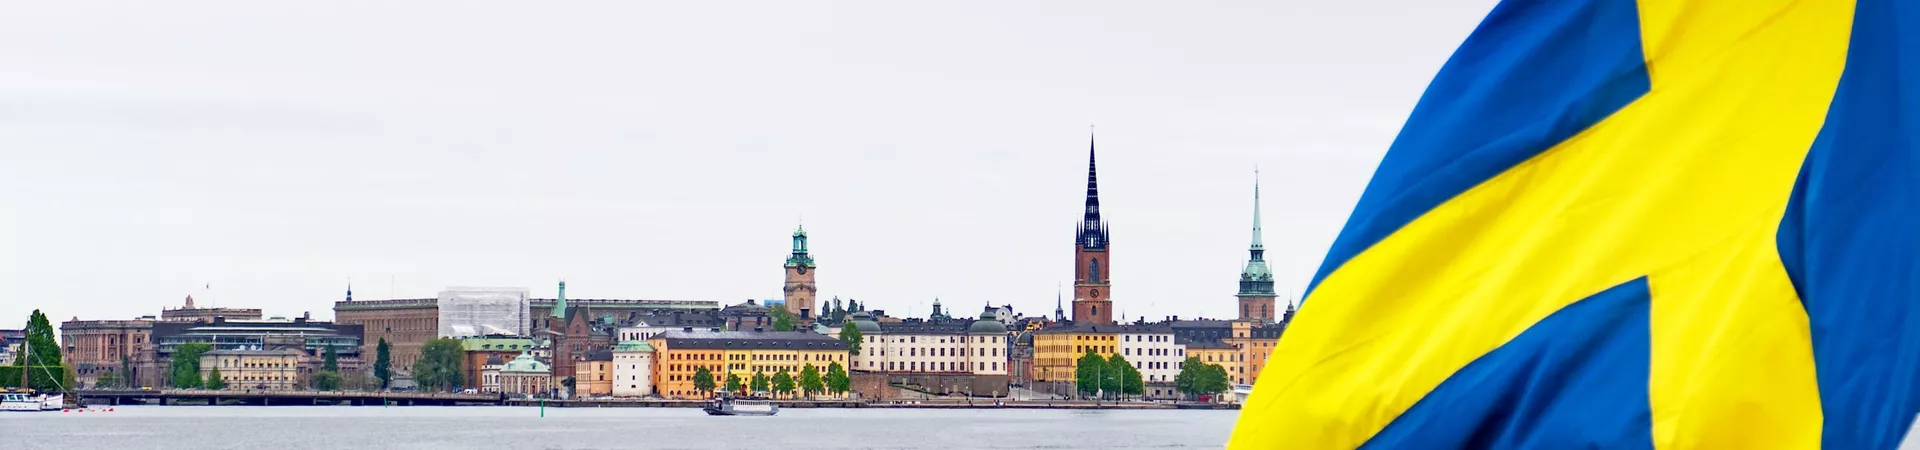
800 287
1256 281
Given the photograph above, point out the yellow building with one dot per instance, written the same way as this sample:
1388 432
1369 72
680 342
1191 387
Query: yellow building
1222 354
269 370
593 376
1057 351
680 355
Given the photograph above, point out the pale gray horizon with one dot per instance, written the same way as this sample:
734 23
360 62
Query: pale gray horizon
666 150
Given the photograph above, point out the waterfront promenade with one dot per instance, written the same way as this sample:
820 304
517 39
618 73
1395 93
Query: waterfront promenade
358 398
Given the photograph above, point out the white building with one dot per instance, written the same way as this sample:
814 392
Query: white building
1152 350
978 347
633 369
647 326
490 374
482 311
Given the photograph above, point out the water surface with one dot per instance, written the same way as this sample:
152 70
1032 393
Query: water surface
517 428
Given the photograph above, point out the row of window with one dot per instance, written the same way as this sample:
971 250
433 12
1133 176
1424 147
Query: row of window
940 340
1154 352
939 366
1146 338
937 351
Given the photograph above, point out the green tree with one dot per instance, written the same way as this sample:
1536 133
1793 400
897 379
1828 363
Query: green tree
853 306
1088 373
837 380
1192 375
783 382
107 380
331 361
44 346
760 383
782 320
1133 384
126 372
439 366
733 383
850 335
185 365
383 363
1113 380
703 379
810 382
1215 380
326 380
214 380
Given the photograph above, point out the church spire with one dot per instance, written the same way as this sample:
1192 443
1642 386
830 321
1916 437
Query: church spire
1059 313
1256 280
1257 248
1092 232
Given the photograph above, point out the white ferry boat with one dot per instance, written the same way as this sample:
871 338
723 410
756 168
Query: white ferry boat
22 401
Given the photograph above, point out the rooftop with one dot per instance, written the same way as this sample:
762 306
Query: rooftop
772 340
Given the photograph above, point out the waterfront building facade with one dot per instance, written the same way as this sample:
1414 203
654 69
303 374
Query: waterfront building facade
284 369
1152 349
526 376
96 347
482 352
490 373
680 354
977 347
1058 349
633 369
593 374
406 325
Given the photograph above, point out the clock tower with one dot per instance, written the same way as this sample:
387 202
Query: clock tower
1092 298
800 287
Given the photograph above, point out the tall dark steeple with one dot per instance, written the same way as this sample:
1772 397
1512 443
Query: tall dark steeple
1091 263
1092 232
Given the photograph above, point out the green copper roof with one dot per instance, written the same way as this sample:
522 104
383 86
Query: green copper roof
496 344
560 302
633 346
800 256
525 363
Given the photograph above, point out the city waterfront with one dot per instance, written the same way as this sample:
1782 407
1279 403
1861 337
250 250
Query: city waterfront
292 428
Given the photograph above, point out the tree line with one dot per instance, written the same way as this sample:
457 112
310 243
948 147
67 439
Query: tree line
1114 378
834 380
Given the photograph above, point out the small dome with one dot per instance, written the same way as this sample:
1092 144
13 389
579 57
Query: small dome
526 363
863 321
988 323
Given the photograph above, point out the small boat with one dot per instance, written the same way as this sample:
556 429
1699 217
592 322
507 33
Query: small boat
24 401
28 400
726 405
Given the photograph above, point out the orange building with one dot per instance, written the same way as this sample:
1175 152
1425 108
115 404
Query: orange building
679 355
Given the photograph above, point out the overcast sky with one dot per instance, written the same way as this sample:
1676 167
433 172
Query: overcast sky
666 150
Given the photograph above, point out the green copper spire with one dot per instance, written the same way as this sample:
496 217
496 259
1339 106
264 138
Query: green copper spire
800 256
1256 215
560 302
1256 280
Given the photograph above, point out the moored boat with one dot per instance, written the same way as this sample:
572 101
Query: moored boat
27 401
726 405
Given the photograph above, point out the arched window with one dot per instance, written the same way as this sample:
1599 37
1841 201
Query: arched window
1093 271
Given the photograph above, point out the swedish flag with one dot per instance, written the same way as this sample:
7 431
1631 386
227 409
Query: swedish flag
1629 224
